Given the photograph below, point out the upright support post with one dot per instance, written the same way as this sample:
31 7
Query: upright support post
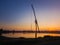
36 31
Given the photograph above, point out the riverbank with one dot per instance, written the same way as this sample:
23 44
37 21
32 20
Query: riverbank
46 40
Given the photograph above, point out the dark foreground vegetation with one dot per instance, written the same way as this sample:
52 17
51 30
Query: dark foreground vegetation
46 40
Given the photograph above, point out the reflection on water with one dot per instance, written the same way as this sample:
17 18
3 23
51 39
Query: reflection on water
28 35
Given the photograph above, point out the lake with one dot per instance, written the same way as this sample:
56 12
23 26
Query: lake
28 35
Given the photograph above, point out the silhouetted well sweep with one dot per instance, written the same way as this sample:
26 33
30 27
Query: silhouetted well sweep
36 23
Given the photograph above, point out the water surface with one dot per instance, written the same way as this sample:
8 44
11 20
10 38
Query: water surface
28 35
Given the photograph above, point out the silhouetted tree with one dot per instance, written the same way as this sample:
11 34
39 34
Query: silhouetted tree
1 30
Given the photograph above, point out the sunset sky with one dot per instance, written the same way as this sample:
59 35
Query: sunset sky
18 14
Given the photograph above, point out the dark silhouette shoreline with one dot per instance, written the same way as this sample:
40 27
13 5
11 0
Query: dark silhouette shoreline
46 40
27 31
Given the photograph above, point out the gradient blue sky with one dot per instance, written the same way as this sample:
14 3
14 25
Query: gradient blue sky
18 14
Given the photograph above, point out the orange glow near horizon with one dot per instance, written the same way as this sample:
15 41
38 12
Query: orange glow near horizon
28 27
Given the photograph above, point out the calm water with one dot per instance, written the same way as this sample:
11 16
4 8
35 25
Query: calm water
28 35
